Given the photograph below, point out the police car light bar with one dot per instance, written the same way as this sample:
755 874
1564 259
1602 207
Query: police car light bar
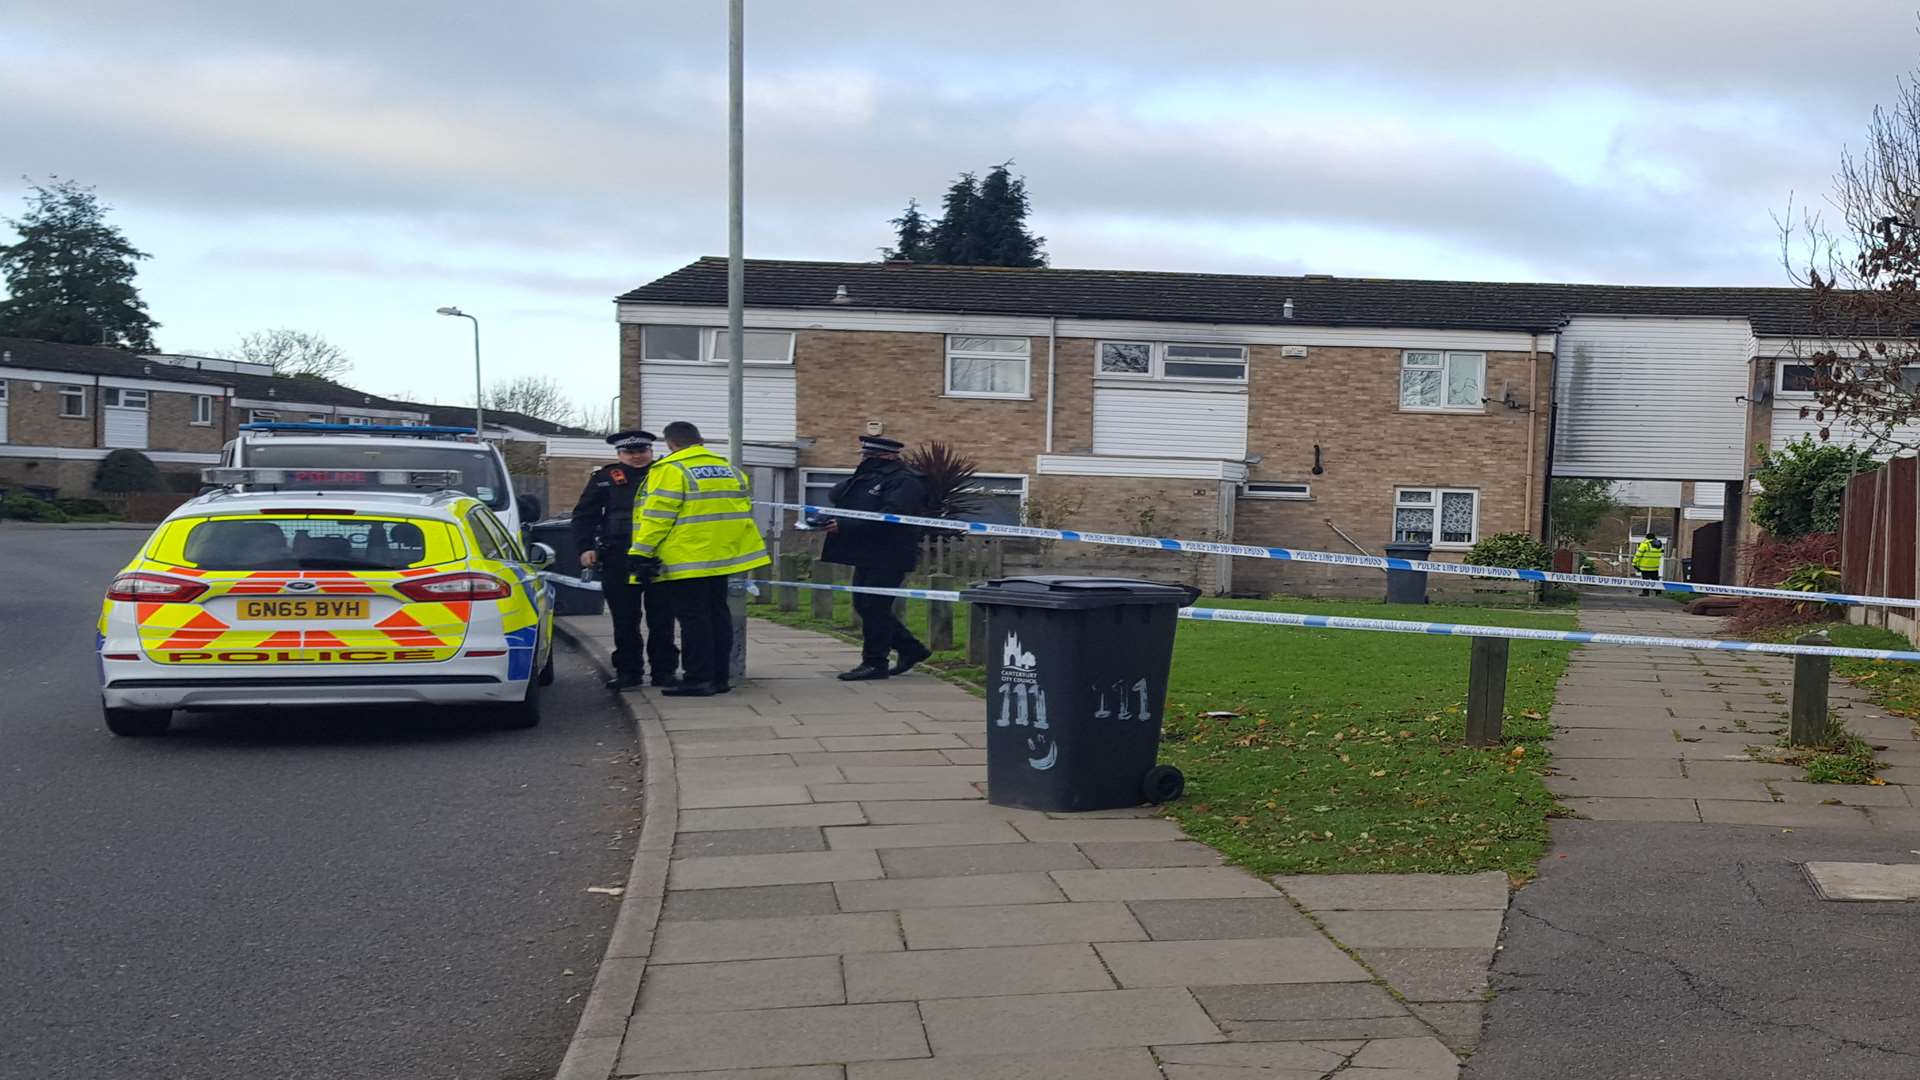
416 430
429 479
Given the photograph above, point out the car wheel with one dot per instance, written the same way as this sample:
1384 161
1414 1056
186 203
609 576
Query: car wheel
546 672
524 713
138 722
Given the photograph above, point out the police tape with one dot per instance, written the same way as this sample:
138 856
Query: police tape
1335 558
1397 626
594 585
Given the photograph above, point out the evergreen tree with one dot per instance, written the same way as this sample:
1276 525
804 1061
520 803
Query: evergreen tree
955 238
70 276
913 235
1002 222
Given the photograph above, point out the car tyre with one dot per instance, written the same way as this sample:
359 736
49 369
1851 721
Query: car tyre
546 672
524 713
138 723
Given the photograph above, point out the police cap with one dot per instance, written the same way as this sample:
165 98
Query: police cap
877 444
632 440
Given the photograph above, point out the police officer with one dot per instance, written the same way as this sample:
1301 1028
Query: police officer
694 528
1647 558
880 554
602 530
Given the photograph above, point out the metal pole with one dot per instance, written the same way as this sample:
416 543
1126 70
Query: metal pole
736 258
479 401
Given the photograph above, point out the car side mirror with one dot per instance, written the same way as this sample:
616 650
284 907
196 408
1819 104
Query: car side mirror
529 507
539 555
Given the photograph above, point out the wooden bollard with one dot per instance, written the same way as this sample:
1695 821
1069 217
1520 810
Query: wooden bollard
939 614
786 596
1810 675
821 573
1487 691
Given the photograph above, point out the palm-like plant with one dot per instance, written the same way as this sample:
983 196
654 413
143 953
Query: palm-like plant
951 490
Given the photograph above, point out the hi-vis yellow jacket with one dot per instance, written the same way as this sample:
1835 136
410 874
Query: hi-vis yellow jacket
696 518
1647 557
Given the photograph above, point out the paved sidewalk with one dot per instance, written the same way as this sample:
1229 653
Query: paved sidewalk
1674 936
838 900
1662 734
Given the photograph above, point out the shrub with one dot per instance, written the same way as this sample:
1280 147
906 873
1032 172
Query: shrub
1807 563
1802 486
949 478
88 507
1517 550
28 508
127 470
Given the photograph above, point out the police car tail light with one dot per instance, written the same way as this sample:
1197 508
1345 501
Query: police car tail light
467 585
153 589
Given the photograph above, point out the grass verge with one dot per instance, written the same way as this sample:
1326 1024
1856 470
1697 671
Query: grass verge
1840 757
1342 750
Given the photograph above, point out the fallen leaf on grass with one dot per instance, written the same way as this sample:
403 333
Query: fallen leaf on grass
1876 781
607 890
1533 714
1518 751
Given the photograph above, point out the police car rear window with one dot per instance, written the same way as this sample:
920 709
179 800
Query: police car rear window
307 543
346 463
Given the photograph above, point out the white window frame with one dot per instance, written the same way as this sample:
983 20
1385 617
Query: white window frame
357 421
1444 367
1437 497
202 410
1026 488
699 345
263 416
77 392
1157 362
1026 382
1780 380
1272 489
710 347
118 397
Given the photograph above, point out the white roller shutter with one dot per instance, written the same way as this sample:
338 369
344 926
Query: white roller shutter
700 398
1163 422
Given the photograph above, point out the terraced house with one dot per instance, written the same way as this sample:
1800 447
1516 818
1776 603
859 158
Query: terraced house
1338 414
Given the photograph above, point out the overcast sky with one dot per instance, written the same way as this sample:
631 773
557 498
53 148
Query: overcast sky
345 168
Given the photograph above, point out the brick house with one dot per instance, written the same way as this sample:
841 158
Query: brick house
1314 412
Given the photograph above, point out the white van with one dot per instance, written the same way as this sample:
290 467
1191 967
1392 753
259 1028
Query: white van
349 456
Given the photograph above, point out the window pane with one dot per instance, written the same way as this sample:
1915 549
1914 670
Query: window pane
988 344
1796 378
1207 352
670 343
1014 484
1190 369
1126 358
1413 526
1416 497
1421 359
1463 381
1456 517
763 346
998 509
1420 388
977 375
308 543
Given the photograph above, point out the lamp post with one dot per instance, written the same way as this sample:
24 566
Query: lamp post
736 261
479 417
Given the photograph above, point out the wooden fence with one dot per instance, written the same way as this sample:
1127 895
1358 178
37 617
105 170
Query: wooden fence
1878 530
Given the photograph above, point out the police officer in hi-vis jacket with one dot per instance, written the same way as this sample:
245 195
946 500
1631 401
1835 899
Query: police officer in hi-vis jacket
602 530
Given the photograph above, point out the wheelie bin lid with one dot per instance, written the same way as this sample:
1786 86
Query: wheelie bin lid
1066 592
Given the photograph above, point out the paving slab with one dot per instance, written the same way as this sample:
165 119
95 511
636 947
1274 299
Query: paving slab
1634 809
1431 974
1857 881
1150 853
949 834
1049 1023
1230 917
1398 892
1018 924
1298 1001
752 771
981 859
742 984
940 741
1161 883
797 868
690 845
1413 929
1661 769
770 939
704 796
1248 960
798 1072
875 759
976 890
1781 815
757 902
1251 1061
914 774
1125 1064
937 811
1458 1022
988 972
1799 792
947 789
1376 1027
1621 787
771 817
1096 830
1417 1054
721 748
674 1042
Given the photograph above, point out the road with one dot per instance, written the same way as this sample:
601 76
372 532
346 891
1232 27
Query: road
386 894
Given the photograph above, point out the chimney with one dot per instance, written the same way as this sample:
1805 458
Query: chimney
840 295
1286 309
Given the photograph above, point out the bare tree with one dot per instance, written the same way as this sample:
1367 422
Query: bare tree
1863 275
532 395
292 352
600 421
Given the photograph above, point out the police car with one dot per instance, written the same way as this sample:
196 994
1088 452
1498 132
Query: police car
404 593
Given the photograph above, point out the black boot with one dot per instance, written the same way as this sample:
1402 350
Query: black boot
866 670
688 689
624 680
910 657
661 681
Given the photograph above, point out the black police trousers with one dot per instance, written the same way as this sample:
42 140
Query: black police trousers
881 632
706 628
627 603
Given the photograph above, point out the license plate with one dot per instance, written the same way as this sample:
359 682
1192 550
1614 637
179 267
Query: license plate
304 607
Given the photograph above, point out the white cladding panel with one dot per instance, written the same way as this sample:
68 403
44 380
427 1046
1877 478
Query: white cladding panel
700 398
1648 492
1147 422
1789 425
3 421
1653 399
123 427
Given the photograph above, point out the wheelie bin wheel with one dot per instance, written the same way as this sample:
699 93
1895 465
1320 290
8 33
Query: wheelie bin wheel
1163 783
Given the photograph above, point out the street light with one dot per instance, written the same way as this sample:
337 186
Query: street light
479 418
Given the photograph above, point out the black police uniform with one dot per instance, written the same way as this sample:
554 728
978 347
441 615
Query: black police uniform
880 554
603 522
